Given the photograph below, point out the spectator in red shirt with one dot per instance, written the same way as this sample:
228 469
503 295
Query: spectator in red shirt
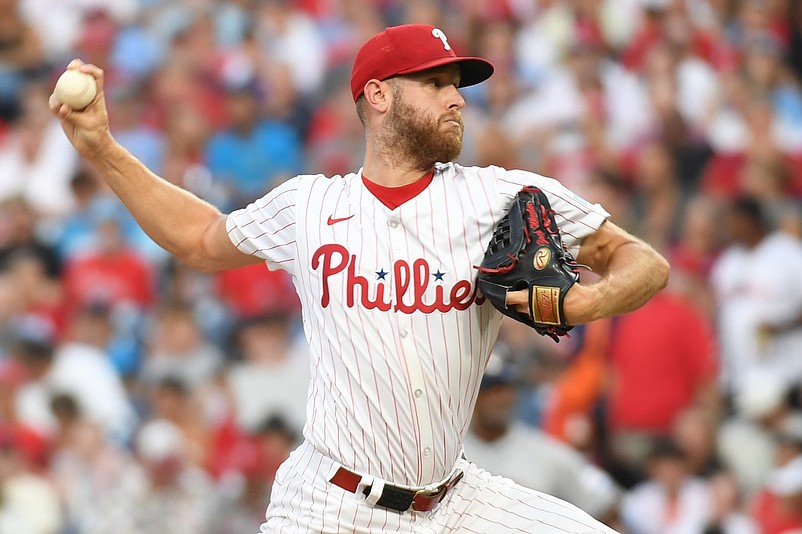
662 361
113 274
255 290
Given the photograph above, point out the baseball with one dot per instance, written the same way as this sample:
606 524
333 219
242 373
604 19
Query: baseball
76 89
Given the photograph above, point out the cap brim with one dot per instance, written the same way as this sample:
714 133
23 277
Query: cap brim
473 70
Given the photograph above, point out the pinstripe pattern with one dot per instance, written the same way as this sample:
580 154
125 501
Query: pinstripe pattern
398 337
304 502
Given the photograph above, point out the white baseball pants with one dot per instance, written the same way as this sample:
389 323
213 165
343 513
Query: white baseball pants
305 502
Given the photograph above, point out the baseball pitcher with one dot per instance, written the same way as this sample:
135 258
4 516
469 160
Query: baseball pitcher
386 261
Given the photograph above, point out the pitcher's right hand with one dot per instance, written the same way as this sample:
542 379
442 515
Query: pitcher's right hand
87 129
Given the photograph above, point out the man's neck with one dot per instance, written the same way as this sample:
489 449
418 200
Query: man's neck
389 171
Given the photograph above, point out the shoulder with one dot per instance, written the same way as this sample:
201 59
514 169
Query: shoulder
511 181
490 173
497 180
319 184
313 182
311 191
323 179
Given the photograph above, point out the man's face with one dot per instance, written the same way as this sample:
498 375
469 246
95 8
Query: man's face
424 121
494 407
243 109
738 226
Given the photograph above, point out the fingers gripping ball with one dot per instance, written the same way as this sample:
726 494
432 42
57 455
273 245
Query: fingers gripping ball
527 252
76 89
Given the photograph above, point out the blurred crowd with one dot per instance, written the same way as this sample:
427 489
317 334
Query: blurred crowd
138 396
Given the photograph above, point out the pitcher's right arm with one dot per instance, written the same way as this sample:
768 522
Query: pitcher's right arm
178 221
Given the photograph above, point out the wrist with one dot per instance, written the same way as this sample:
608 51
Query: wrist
582 304
103 150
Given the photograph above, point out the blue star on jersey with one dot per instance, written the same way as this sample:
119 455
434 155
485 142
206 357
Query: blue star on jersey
438 276
380 275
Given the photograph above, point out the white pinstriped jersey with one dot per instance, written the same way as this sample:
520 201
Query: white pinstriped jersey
398 335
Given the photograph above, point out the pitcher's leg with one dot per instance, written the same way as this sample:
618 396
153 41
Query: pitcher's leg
484 503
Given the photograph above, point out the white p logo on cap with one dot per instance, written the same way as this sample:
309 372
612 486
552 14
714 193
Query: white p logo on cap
437 32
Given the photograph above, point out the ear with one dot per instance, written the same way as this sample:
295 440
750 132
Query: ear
378 95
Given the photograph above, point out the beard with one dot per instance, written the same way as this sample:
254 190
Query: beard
418 138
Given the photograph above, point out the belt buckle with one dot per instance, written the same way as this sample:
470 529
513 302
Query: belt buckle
426 499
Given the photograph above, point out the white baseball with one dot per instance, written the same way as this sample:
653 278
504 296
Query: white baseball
76 89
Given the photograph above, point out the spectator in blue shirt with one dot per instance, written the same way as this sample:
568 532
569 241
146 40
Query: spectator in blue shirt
255 152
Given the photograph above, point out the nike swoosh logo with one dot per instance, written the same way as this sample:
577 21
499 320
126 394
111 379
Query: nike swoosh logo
331 220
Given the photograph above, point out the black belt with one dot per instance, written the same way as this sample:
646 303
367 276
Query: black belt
395 498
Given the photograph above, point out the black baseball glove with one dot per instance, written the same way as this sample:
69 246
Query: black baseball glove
526 252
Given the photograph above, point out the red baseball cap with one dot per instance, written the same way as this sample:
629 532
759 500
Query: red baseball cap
411 48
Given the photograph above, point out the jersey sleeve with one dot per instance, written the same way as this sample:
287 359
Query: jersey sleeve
266 227
576 217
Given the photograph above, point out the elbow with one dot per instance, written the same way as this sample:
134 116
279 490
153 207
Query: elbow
207 250
197 258
199 262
